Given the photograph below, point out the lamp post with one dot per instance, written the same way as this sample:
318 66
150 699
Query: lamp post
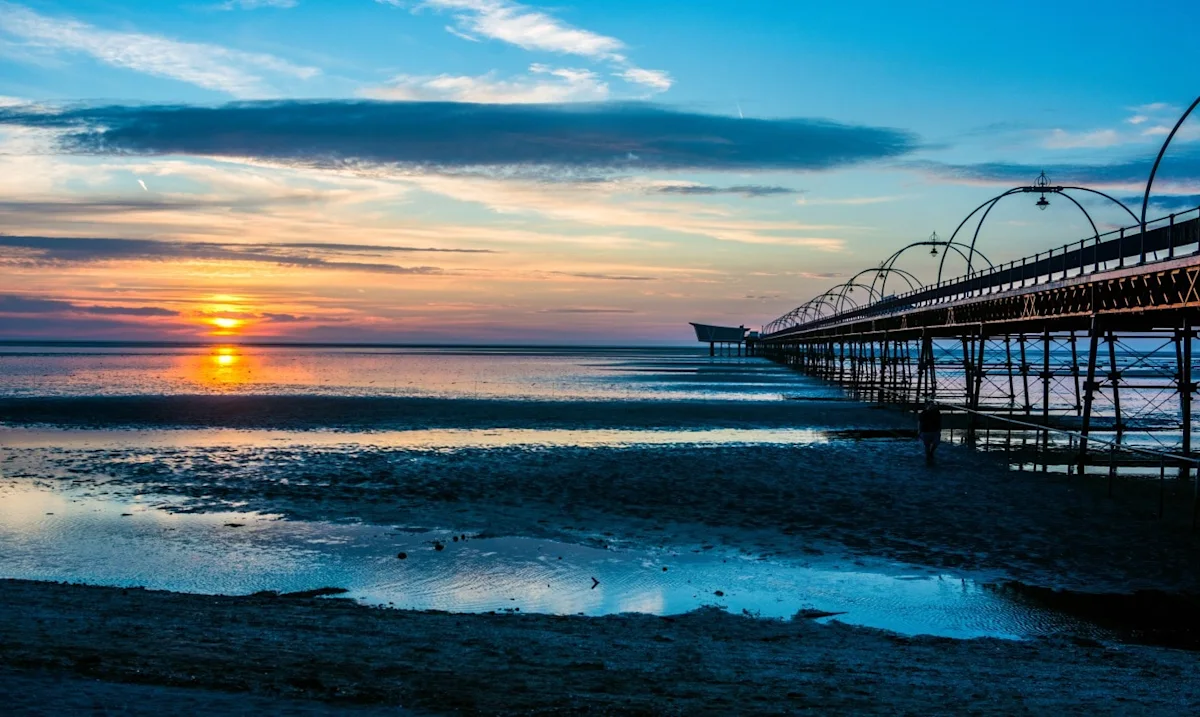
1042 183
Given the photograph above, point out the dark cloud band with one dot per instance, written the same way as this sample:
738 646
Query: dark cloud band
745 190
455 136
312 255
15 304
1182 163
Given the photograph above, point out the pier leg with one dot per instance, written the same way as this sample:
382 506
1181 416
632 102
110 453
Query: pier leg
712 348
1008 367
1075 373
1089 389
842 362
1046 388
1185 406
1025 374
968 346
1114 377
977 389
932 369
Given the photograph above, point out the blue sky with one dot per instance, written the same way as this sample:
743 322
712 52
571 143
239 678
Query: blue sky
478 170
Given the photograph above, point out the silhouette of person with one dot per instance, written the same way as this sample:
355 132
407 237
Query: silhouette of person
929 428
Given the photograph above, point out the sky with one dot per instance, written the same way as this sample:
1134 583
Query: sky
584 172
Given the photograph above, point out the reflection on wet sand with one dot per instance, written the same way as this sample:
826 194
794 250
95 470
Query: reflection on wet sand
58 536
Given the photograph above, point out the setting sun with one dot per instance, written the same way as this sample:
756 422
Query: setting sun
228 324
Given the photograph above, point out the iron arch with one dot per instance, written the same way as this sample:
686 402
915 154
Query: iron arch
1158 160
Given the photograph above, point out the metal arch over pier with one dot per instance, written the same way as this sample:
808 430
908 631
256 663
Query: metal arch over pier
1096 335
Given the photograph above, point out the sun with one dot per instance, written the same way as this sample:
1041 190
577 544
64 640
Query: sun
225 325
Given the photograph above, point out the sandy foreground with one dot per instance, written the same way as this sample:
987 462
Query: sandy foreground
840 499
707 662
870 498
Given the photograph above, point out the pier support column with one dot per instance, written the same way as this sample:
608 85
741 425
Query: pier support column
1183 352
932 358
1075 372
1046 375
1114 377
1025 374
1089 389
1008 368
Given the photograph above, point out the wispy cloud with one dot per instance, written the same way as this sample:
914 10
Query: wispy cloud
657 80
15 304
603 277
1146 124
1061 139
593 204
586 310
602 137
39 250
242 74
534 30
745 190
546 84
1180 174
527 28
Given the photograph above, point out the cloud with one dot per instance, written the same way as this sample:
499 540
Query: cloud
1180 169
1061 139
746 190
209 66
1147 124
533 30
560 85
586 310
451 136
15 304
39 250
1177 203
658 80
604 277
524 27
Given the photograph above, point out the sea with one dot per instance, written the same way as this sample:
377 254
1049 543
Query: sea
136 403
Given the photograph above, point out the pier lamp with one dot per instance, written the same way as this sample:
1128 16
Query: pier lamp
933 249
1041 184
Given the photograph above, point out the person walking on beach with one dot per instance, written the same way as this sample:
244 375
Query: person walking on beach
929 429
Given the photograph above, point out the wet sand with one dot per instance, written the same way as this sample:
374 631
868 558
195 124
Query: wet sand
870 498
400 413
706 662
845 497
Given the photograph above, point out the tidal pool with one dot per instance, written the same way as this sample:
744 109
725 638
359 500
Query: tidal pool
57 536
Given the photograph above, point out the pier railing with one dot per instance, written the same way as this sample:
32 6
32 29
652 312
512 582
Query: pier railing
1165 239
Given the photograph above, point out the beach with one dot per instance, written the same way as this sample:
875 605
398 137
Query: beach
708 514
343 656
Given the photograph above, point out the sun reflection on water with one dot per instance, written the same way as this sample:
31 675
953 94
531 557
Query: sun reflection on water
223 367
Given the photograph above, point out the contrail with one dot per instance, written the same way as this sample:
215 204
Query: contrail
739 106
143 185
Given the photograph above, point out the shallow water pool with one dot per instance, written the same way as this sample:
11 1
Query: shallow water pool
50 535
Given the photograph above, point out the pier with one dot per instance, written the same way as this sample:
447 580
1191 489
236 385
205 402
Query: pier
1092 336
